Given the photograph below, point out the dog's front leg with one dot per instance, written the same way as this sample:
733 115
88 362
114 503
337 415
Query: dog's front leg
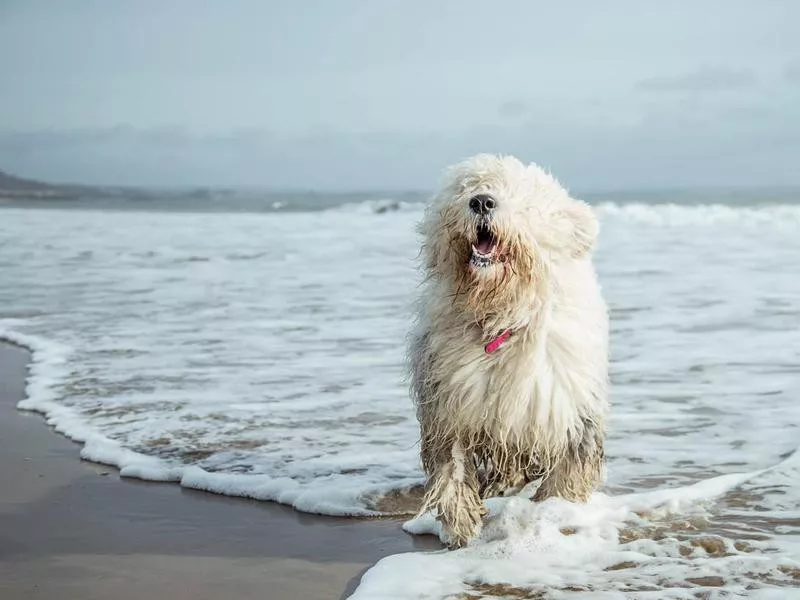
452 491
579 472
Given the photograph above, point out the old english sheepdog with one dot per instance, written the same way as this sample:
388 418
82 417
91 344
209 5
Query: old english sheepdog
509 356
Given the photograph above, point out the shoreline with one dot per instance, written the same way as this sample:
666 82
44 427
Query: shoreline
77 530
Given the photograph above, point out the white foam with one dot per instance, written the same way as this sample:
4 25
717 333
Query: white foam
48 368
559 547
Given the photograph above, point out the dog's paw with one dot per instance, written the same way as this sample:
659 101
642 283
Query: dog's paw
456 543
462 525
456 539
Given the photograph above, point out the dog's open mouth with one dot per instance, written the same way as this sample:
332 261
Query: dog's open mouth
484 248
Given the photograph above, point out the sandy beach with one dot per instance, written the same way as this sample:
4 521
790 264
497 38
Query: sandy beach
70 529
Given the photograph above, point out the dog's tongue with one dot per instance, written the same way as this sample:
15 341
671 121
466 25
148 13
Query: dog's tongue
484 246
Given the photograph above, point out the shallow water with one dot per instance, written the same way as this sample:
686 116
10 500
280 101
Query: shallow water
262 355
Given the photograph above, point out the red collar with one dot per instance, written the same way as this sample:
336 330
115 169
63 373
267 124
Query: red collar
498 341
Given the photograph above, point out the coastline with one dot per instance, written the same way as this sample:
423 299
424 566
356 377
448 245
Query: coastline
77 530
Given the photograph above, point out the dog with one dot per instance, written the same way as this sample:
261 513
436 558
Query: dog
509 353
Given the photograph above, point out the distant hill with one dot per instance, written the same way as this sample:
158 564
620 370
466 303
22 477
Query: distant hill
17 187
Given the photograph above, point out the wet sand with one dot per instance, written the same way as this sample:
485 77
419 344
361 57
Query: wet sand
75 530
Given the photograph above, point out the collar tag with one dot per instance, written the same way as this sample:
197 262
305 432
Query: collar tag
495 344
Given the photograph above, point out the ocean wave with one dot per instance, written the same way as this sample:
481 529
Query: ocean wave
662 214
681 215
378 206
328 492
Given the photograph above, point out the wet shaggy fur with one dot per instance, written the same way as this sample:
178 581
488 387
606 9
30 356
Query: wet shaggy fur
492 422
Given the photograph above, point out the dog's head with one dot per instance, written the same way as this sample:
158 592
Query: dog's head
498 229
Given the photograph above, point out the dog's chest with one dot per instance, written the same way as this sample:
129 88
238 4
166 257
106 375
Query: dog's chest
516 390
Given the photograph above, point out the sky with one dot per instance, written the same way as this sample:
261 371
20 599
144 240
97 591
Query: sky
372 94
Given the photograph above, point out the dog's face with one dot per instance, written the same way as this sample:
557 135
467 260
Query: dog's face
499 226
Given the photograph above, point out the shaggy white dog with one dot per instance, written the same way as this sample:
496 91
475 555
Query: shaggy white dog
509 358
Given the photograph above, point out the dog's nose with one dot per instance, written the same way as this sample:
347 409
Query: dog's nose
482 204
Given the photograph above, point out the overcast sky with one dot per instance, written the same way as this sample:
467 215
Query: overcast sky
378 94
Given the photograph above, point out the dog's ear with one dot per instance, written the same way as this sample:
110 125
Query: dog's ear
577 227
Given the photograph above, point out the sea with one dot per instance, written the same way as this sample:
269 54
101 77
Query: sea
256 348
